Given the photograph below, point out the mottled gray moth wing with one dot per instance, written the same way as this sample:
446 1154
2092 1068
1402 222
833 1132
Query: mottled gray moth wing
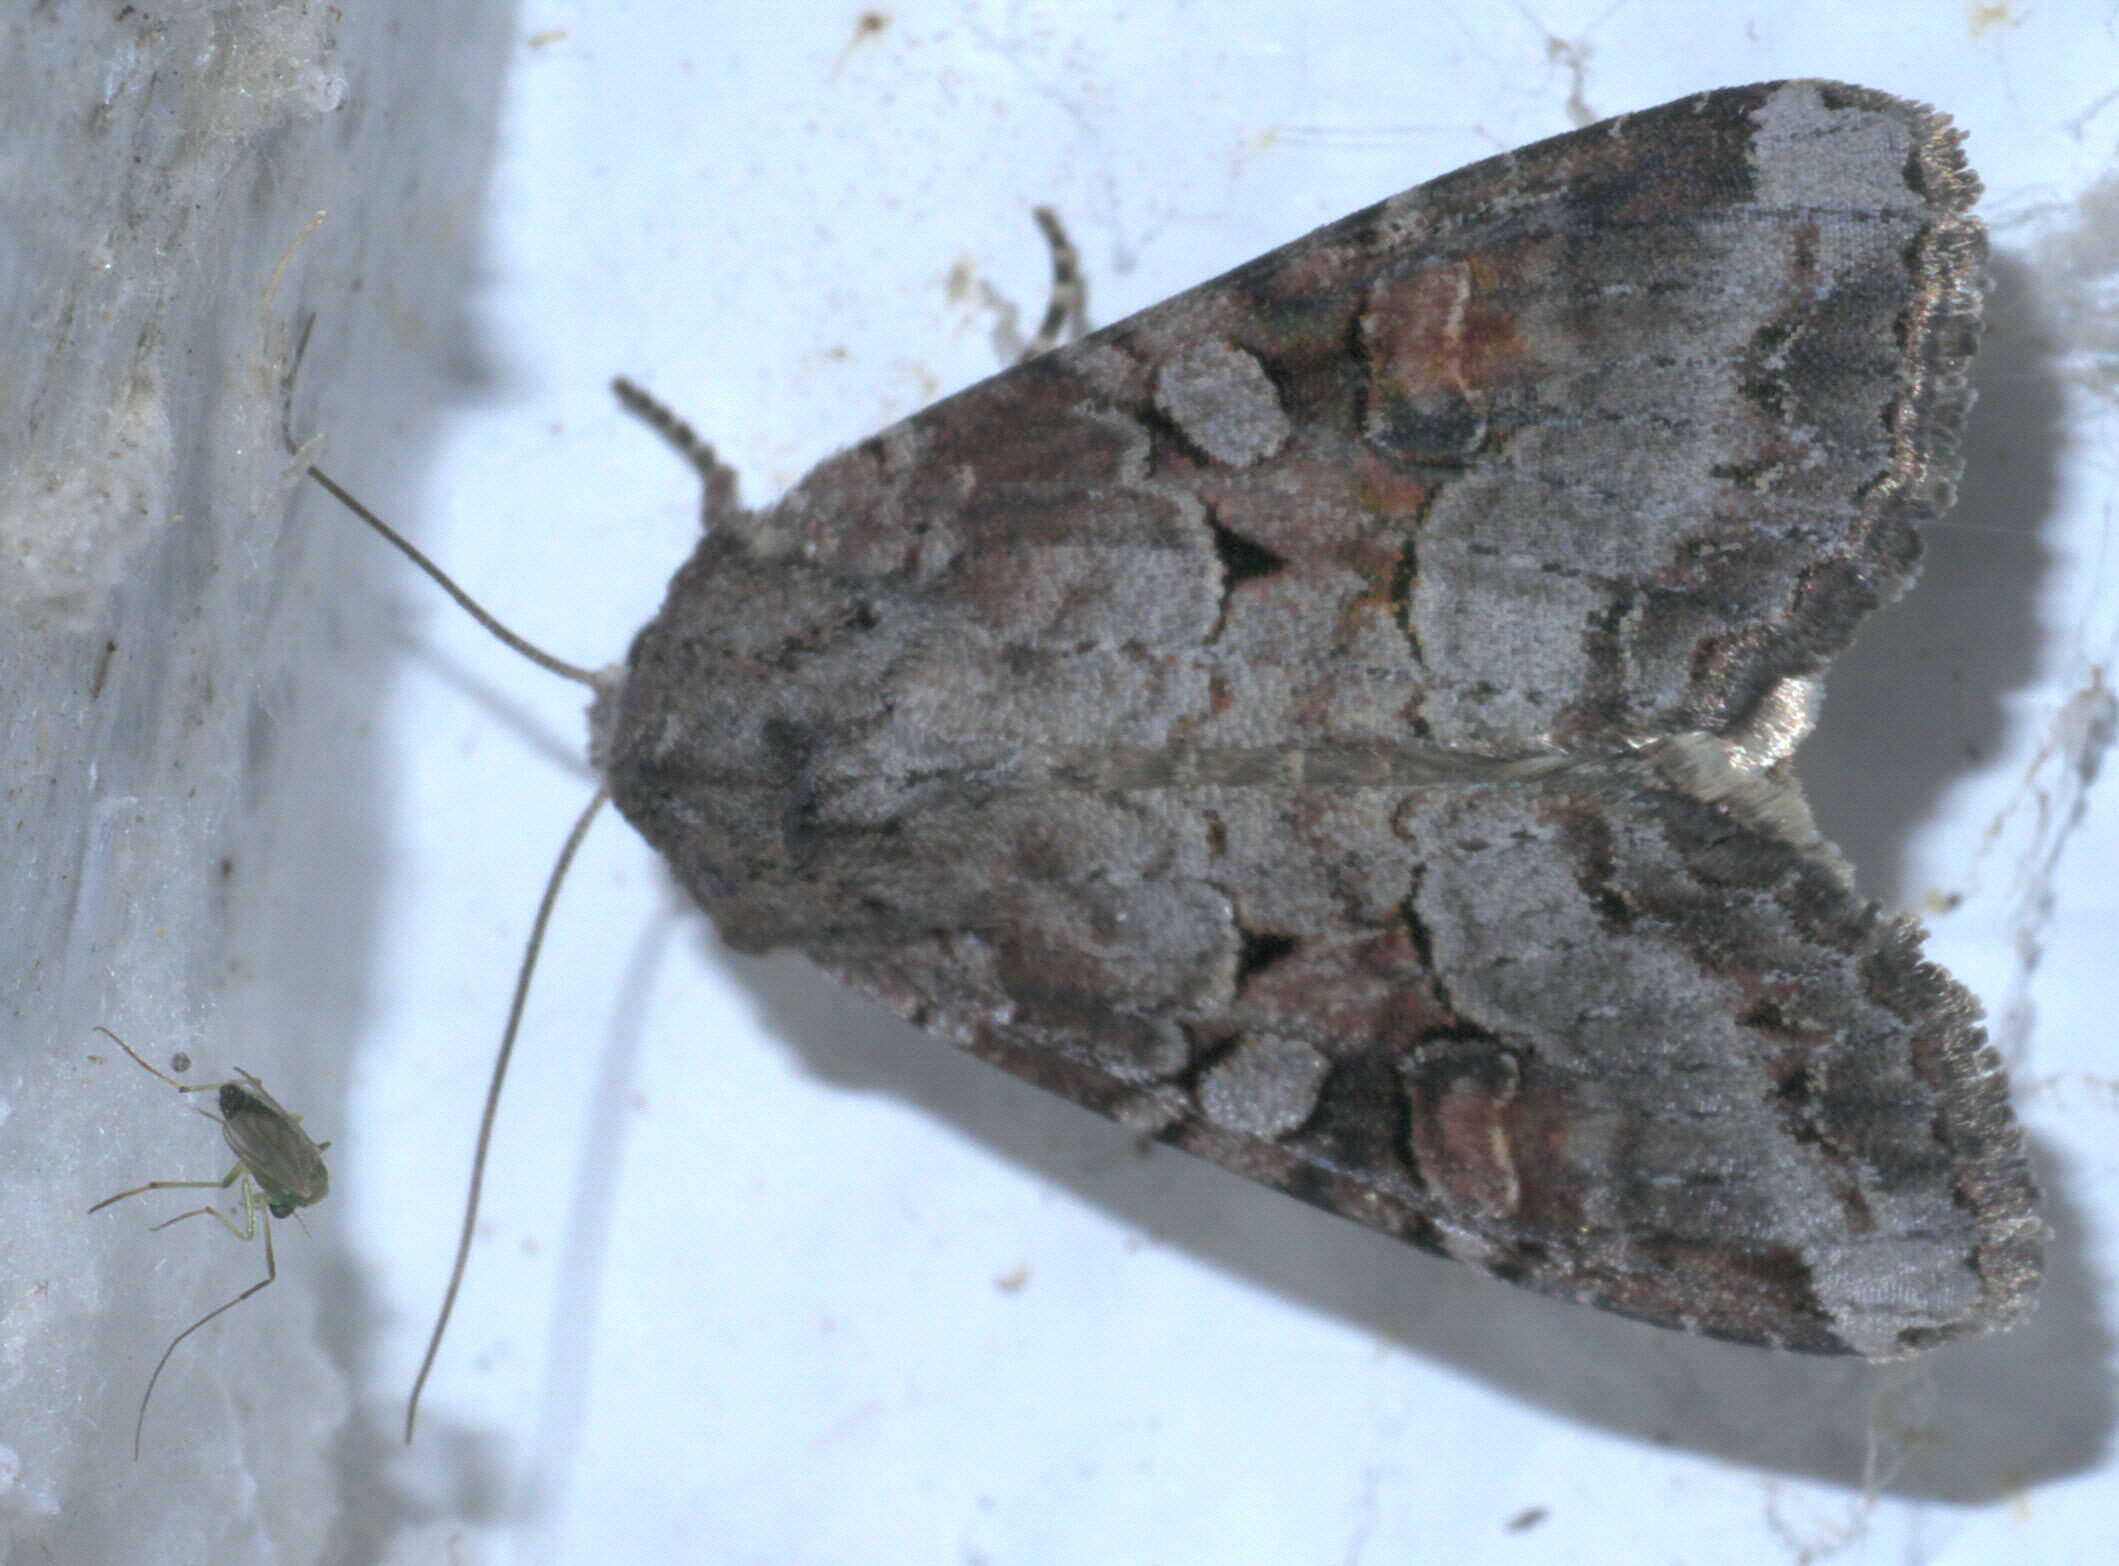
1337 721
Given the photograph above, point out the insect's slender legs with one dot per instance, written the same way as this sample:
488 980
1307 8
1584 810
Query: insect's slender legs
253 1214
277 1170
247 1233
221 1184
255 1217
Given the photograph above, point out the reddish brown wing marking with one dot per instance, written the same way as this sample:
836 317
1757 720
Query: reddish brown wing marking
1261 721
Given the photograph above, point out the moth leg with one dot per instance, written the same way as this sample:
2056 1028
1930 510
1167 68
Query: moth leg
1069 294
718 479
255 1217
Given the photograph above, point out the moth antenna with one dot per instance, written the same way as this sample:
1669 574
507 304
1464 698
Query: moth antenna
471 606
1070 295
717 479
702 457
492 1111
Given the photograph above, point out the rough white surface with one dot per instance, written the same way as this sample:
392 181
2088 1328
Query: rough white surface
765 1277
192 796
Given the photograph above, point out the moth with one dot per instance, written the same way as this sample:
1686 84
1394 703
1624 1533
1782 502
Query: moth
1339 722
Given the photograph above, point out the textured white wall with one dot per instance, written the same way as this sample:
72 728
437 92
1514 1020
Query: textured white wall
194 827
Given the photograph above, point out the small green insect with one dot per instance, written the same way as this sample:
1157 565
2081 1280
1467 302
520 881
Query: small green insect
277 1170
